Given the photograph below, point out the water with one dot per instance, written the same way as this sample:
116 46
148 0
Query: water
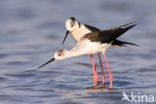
32 30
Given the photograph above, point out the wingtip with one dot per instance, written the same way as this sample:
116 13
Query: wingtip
129 25
127 45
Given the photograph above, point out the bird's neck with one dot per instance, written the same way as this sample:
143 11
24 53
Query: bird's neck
74 53
79 32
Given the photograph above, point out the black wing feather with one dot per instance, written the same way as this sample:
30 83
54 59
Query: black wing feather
122 43
107 36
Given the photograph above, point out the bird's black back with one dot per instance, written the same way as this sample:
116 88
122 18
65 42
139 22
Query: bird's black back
109 35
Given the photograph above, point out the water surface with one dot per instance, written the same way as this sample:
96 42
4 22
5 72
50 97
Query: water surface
31 31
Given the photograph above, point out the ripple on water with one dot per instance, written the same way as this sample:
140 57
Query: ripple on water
20 75
3 78
3 55
29 32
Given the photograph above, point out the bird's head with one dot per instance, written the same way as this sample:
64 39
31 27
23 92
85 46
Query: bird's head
61 54
72 24
58 55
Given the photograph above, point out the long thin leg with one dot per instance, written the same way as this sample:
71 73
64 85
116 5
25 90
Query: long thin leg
96 77
103 73
110 74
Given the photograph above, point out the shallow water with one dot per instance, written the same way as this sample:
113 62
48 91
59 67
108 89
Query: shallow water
31 31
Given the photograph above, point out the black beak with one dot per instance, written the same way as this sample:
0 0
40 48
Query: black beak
53 59
65 37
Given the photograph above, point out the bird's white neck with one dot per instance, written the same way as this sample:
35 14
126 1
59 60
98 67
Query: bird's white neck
79 32
73 53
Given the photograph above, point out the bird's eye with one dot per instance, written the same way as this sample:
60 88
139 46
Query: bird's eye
59 54
72 25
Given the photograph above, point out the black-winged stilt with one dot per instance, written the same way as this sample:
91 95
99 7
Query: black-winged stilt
78 30
92 43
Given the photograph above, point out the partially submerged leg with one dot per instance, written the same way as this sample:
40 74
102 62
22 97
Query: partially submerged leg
103 73
96 77
110 74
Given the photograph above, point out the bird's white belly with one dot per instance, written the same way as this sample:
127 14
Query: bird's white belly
95 47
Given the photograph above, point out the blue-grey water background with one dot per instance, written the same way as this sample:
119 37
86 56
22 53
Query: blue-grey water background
32 30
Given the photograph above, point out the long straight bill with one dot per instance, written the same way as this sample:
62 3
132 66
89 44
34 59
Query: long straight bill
53 59
65 37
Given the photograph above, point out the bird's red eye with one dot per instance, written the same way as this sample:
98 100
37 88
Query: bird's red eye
71 25
59 54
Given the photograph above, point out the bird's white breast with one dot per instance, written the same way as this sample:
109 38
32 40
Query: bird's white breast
85 46
80 32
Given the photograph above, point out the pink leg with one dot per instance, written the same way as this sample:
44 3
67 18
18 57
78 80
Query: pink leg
110 74
96 77
103 73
